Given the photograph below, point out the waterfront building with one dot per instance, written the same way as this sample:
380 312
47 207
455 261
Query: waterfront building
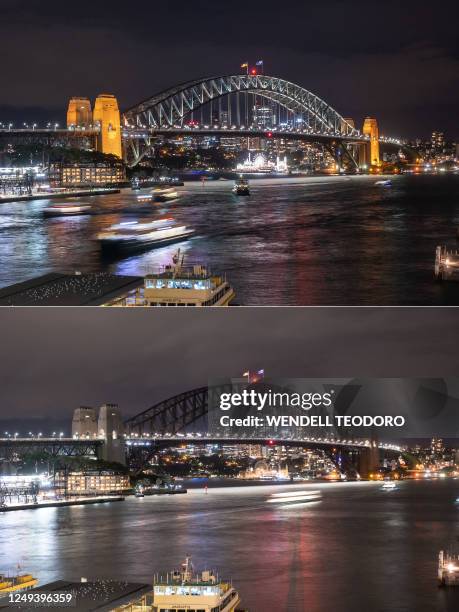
263 471
92 482
85 175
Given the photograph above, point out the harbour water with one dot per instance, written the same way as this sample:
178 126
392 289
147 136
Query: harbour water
313 241
353 548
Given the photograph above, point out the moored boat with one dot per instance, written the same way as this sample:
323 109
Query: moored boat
17 582
185 590
179 285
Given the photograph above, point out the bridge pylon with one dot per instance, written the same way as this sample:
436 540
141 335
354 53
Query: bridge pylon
371 150
107 117
369 460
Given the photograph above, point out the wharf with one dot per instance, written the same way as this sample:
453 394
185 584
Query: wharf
65 502
59 195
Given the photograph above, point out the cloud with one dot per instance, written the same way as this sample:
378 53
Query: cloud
61 358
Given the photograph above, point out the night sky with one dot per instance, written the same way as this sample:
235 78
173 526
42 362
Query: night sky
59 358
398 61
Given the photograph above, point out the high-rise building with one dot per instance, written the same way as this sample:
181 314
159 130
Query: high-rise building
79 113
84 423
263 117
107 118
436 446
438 140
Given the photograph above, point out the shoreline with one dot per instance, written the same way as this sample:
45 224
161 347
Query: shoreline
67 502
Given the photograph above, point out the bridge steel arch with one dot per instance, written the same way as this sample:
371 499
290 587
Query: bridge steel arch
172 106
177 414
172 415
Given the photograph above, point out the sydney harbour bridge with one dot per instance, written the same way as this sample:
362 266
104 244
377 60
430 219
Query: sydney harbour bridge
184 420
234 106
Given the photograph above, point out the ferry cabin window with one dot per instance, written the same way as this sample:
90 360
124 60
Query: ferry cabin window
197 285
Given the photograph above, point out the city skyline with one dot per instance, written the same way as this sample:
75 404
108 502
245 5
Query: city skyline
400 69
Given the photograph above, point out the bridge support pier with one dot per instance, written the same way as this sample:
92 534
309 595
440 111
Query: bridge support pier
369 460
113 451
343 157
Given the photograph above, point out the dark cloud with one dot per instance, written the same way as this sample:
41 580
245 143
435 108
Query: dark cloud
399 61
57 359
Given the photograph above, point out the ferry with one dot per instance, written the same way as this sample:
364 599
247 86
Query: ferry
448 569
164 194
66 210
241 187
446 264
184 590
135 236
8 584
389 486
178 285
145 197
386 183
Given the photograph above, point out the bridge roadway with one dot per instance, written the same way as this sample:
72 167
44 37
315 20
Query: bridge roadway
73 447
56 446
229 132
179 440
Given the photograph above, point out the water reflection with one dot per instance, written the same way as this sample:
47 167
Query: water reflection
353 547
335 240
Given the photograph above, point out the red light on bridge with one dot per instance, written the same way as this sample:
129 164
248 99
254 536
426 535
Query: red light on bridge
253 71
269 134
271 442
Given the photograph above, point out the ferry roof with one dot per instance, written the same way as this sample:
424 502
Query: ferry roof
100 595
183 274
91 289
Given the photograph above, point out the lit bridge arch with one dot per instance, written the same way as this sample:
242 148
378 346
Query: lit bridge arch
170 109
